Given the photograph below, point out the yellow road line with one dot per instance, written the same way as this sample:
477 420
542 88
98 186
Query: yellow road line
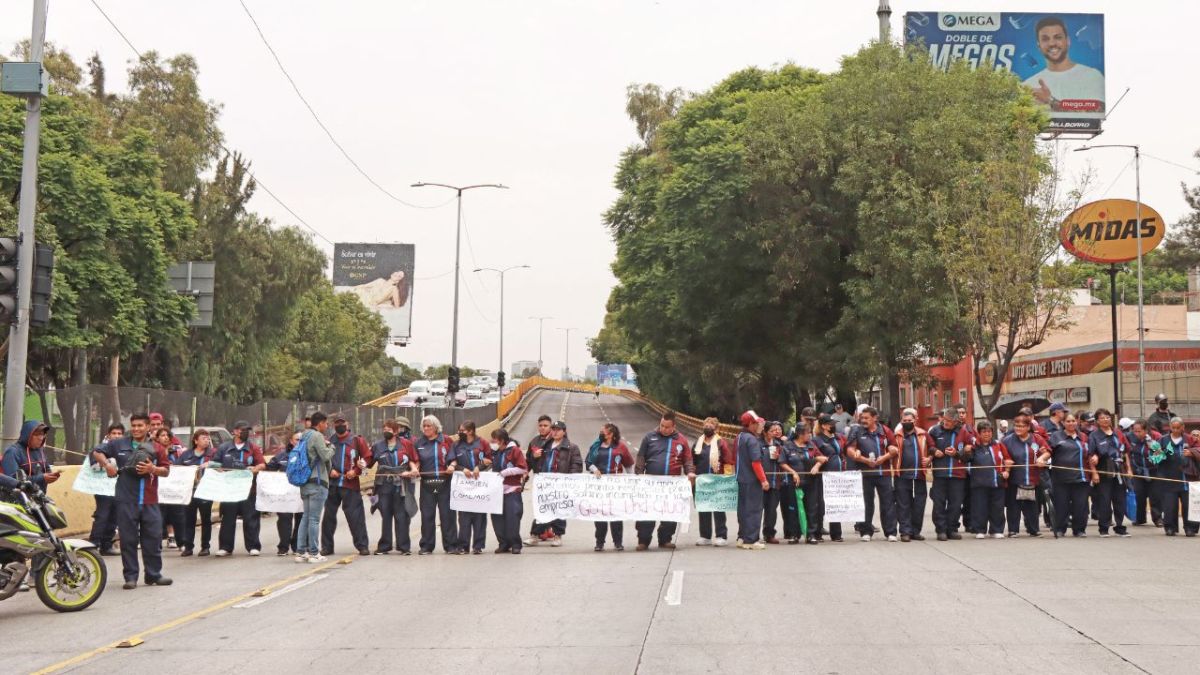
187 618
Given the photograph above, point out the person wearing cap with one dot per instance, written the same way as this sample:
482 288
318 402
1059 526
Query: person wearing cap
1160 419
28 455
473 455
1053 422
663 452
1108 451
1143 441
713 455
534 465
609 455
911 491
560 455
350 457
395 462
437 464
832 447
800 461
1073 476
772 439
752 481
239 453
1087 422
949 444
1024 477
990 464
872 448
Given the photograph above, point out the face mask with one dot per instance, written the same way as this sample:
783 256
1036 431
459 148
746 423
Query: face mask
244 434
1163 405
495 445
341 429
462 437
907 426
709 432
388 435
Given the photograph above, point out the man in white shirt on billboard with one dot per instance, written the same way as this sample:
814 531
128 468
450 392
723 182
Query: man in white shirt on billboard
1062 79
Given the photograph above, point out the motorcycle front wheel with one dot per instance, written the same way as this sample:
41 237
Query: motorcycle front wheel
65 592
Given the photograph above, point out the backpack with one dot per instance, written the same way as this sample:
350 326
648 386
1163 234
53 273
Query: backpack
299 470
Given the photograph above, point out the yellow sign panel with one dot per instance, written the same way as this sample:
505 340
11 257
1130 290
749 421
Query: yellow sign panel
1107 231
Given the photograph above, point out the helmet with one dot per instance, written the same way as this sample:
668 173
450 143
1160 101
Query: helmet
1158 398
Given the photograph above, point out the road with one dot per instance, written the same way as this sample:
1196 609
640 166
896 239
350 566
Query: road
1069 606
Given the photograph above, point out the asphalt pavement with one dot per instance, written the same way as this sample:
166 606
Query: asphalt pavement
1068 606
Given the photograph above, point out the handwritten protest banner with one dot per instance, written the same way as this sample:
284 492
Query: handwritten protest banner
621 497
843 496
716 492
176 487
93 480
477 495
1193 490
223 485
276 495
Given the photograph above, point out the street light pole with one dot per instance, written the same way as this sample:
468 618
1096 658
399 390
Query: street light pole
18 337
501 273
885 16
541 331
1137 234
458 252
567 352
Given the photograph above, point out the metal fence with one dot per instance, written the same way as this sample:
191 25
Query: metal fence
1179 380
80 415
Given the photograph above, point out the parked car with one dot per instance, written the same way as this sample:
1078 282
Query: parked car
218 435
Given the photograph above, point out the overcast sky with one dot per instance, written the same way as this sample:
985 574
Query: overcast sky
532 95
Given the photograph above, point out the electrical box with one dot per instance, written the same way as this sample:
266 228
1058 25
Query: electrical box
21 78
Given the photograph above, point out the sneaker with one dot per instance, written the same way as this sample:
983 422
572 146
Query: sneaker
477 551
704 542
533 541
865 537
599 548
998 535
424 552
757 546
405 552
1080 535
281 553
203 552
379 551
302 558
129 585
981 536
1105 535
812 540
314 559
171 542
892 538
556 542
942 536
254 553
720 541
221 553
159 581
1123 535
1036 535
1013 535
616 547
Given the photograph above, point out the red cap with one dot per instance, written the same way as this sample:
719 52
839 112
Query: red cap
156 417
749 418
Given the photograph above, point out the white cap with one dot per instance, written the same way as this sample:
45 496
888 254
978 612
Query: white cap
861 407
1125 423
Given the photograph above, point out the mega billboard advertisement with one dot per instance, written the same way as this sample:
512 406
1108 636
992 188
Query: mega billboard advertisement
1060 57
616 375
380 275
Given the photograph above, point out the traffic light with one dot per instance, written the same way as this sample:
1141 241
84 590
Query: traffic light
8 279
43 284
452 380
500 379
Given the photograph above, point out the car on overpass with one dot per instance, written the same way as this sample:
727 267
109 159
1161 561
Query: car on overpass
438 387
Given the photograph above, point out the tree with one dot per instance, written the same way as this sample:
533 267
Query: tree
338 346
1181 250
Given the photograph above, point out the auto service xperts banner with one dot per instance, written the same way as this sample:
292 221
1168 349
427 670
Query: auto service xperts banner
1060 57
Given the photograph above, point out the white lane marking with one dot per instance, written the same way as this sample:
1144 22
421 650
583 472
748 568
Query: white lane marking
675 590
283 591
562 412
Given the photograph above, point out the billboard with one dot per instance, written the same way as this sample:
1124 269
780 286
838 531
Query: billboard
616 375
1060 57
380 275
1107 231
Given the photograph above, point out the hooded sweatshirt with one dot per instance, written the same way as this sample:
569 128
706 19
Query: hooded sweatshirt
20 457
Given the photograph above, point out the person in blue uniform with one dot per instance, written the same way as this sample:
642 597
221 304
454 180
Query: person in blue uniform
833 448
911 487
989 467
609 455
1073 477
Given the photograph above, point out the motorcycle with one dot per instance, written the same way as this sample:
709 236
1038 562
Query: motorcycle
69 574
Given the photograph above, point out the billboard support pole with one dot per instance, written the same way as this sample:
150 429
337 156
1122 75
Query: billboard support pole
1112 303
1137 233
885 18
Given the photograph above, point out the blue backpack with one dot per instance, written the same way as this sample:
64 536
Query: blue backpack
299 470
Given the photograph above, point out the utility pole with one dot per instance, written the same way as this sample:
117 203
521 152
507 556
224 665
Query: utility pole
885 19
567 351
458 252
18 337
501 273
541 331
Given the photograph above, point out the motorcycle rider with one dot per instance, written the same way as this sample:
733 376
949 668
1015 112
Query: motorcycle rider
28 455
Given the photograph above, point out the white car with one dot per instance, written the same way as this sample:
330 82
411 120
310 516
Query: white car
438 387
492 397
475 391
474 403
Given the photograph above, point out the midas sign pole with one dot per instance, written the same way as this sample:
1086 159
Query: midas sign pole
1115 231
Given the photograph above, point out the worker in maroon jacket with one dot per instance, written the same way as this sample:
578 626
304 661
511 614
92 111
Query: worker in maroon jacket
713 454
560 455
990 465
872 448
949 444
663 452
350 457
609 455
239 453
752 481
1025 476
473 455
510 463
911 487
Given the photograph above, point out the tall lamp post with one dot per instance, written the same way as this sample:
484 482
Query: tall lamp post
458 252
1137 172
501 273
567 353
541 330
